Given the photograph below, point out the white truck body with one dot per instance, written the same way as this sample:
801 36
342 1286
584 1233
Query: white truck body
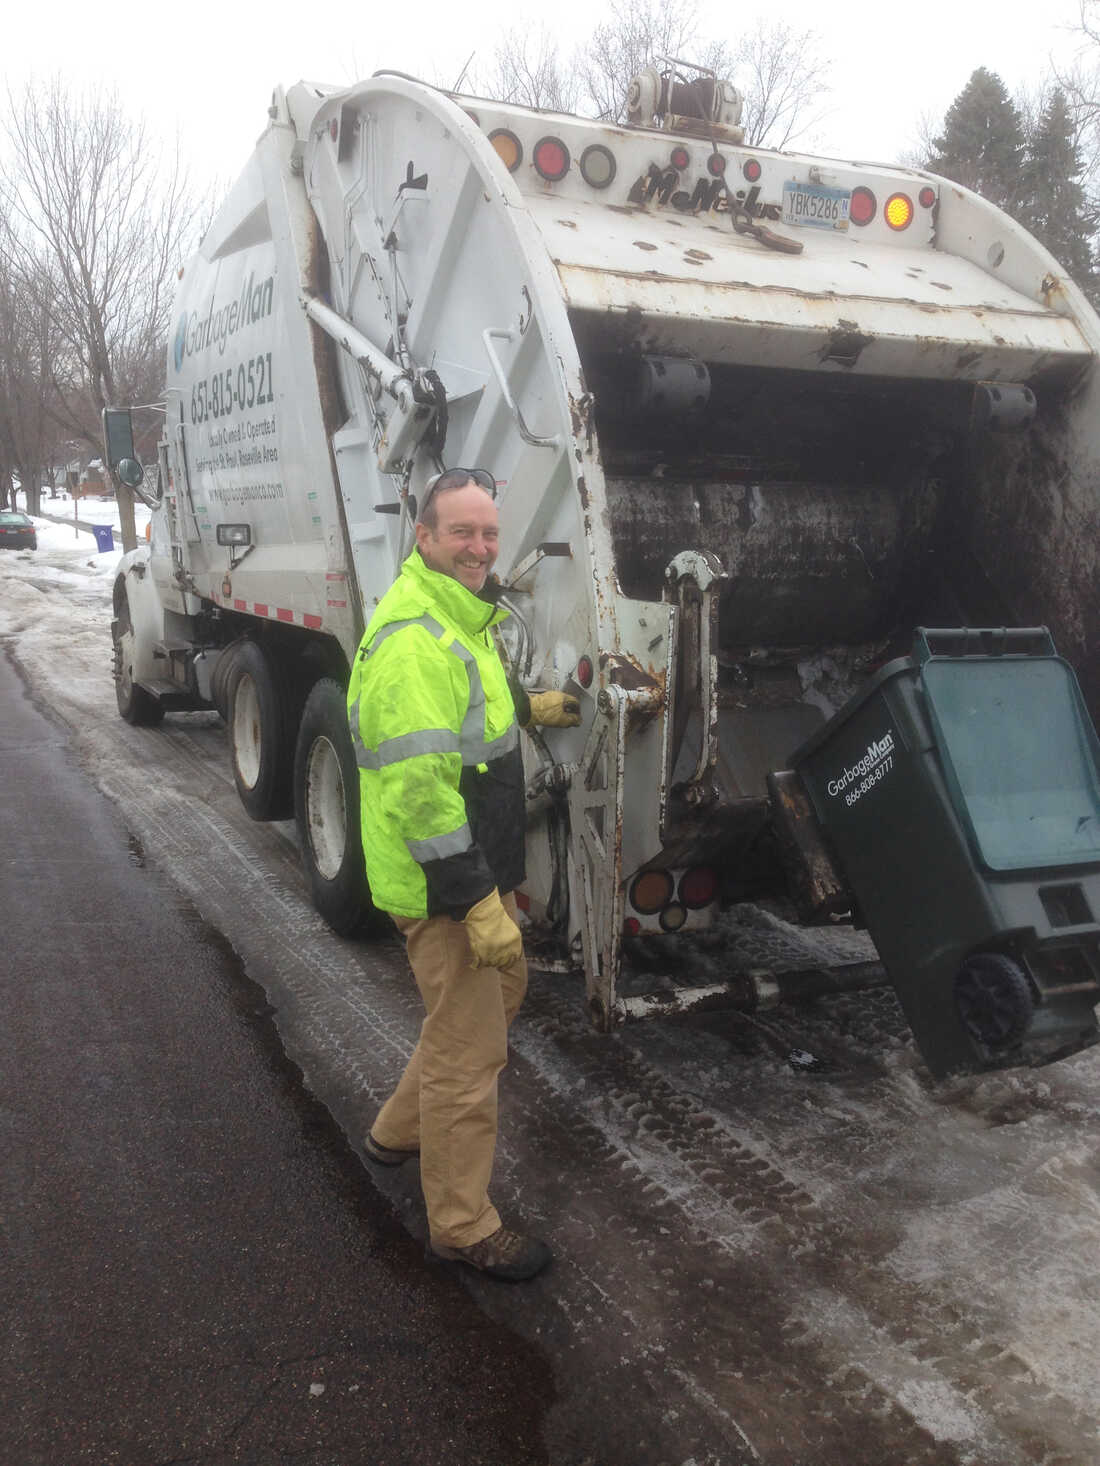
734 464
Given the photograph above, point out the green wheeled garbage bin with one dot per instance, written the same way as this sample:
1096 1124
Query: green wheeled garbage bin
960 793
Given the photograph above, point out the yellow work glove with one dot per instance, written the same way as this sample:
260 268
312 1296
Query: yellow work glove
495 939
554 710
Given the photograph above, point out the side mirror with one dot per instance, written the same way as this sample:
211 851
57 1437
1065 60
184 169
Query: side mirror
118 436
131 473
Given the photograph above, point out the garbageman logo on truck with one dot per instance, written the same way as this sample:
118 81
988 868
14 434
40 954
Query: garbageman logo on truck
197 333
866 772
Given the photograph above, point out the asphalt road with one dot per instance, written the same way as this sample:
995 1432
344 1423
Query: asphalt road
195 1267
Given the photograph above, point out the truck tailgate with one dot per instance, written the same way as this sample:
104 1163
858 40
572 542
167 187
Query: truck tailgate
688 284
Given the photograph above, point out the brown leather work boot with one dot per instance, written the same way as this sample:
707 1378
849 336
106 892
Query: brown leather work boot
503 1254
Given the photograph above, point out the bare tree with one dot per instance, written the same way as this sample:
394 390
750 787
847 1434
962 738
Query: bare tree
98 227
527 69
29 438
636 37
784 77
782 72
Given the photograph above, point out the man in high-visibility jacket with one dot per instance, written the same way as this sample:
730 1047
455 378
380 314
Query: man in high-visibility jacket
434 723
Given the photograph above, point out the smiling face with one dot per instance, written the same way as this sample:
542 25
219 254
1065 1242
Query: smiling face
462 542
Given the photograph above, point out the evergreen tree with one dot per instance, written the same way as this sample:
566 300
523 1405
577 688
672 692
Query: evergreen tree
1052 202
982 146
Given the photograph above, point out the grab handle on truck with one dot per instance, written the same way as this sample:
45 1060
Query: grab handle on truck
501 334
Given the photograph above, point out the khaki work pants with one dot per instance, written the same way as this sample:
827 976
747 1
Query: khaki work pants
446 1100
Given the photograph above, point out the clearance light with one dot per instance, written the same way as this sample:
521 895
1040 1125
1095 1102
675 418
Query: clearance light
597 166
751 169
680 158
673 917
898 212
631 926
927 197
508 147
584 671
698 887
863 206
716 165
551 159
651 891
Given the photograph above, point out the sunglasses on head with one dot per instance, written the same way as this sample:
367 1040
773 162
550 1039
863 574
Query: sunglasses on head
458 478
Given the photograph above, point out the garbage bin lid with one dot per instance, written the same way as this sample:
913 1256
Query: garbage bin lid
1020 758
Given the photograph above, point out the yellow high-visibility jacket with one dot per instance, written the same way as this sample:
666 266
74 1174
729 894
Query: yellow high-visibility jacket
434 729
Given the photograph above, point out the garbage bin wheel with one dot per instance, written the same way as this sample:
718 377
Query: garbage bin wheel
994 999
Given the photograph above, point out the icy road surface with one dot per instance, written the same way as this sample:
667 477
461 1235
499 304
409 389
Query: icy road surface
845 1268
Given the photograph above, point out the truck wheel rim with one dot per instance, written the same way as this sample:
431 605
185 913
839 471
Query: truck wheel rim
124 663
246 731
326 815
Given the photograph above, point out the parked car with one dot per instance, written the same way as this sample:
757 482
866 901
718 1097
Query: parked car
17 531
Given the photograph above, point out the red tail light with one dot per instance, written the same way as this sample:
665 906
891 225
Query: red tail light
551 159
698 887
863 206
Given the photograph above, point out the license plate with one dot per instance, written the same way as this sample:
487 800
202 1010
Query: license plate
815 206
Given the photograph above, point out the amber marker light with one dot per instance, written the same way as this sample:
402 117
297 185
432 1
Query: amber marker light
651 891
898 212
508 148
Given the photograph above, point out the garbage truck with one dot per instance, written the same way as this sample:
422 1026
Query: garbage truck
777 439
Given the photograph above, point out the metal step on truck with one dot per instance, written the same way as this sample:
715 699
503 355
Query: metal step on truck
794 456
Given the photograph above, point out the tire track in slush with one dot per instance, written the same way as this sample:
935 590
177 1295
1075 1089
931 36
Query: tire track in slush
897 1340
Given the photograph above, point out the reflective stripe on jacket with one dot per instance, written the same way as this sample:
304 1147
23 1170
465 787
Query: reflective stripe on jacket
435 737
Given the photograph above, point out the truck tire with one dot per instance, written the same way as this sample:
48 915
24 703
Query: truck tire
139 708
326 807
261 733
221 677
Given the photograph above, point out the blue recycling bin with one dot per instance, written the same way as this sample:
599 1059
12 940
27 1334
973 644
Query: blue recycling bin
104 537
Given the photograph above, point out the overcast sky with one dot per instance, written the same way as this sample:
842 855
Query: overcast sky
208 68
